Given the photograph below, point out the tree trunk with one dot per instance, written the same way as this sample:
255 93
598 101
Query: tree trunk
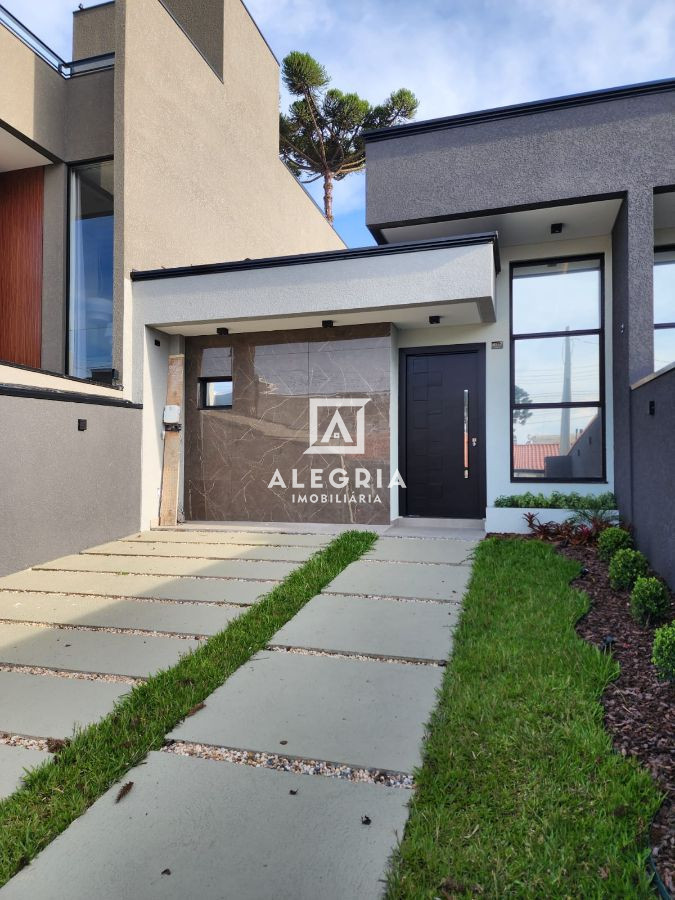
328 195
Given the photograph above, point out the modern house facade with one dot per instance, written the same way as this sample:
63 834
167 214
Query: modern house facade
153 146
512 330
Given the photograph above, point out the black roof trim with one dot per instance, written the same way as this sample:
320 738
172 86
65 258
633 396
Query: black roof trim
303 259
29 392
522 109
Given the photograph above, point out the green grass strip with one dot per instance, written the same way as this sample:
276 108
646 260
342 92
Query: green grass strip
59 791
521 793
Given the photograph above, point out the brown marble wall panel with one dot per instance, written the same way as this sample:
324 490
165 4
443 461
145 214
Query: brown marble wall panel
231 455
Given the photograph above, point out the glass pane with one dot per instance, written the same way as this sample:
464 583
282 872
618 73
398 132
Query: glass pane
219 393
664 347
556 296
91 269
664 287
558 444
557 370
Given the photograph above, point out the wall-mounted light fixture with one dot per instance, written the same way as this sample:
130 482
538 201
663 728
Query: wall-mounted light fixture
222 331
327 323
434 320
556 228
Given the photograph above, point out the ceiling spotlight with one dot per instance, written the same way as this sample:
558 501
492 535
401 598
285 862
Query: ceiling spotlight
434 320
556 228
327 323
222 330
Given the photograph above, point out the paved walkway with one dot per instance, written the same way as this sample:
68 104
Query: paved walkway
293 780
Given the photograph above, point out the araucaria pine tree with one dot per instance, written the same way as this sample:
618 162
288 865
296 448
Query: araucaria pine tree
321 136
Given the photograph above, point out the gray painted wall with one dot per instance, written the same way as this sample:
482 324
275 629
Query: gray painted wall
653 490
64 490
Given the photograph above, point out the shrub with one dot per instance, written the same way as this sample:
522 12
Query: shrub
649 600
663 651
626 567
611 540
558 500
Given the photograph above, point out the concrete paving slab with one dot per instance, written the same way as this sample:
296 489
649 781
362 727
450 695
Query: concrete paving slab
223 832
421 551
257 538
372 626
90 651
154 586
146 565
47 706
360 713
406 580
13 763
112 612
203 551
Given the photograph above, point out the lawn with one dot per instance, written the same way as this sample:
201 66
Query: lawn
521 793
59 791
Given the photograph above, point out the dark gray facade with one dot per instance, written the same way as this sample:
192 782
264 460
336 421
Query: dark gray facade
652 411
62 489
616 143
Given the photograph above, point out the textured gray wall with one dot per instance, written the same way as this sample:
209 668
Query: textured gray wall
653 482
562 154
64 490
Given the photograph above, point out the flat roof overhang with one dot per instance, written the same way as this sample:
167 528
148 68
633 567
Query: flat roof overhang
403 283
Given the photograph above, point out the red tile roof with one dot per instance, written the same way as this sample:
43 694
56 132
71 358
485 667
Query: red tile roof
530 457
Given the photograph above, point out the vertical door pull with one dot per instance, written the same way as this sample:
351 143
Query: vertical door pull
466 434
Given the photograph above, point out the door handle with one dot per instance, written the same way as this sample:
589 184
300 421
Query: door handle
466 433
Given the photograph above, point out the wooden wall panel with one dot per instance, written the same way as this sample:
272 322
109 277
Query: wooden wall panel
21 218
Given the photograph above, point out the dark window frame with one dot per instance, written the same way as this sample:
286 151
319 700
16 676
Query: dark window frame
203 382
576 404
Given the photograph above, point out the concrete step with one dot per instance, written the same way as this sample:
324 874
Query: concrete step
405 580
203 551
49 706
260 537
13 763
372 626
113 612
421 551
219 831
146 565
360 713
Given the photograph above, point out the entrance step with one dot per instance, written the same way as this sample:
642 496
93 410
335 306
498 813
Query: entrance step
260 537
200 828
361 713
49 706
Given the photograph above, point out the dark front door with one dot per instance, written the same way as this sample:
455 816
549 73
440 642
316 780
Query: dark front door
443 394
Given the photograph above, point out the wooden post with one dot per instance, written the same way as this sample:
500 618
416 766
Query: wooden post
168 503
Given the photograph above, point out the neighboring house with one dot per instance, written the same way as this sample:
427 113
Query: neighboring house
503 337
156 145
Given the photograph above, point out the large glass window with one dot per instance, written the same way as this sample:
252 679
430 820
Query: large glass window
664 307
556 370
90 308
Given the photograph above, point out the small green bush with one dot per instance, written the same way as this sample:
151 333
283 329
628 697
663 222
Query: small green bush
626 567
611 540
649 600
557 500
663 651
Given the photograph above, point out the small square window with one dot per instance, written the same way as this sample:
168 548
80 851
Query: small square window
215 393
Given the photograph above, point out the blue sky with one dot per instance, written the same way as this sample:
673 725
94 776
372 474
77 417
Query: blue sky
456 55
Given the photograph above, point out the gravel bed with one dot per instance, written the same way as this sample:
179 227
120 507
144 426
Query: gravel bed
120 597
15 740
290 764
337 654
107 629
63 673
227 578
396 599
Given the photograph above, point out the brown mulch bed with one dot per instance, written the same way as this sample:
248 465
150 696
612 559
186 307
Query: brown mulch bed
639 707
